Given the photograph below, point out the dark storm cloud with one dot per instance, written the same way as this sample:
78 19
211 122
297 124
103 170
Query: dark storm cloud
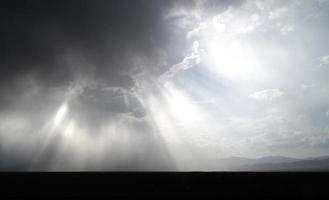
95 106
48 46
94 48
36 35
56 43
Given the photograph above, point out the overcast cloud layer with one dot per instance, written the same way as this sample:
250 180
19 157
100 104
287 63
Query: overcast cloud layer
161 85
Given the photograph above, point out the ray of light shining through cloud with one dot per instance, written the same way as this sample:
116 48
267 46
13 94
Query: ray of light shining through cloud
162 85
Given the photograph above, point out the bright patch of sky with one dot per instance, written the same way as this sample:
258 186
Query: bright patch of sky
272 92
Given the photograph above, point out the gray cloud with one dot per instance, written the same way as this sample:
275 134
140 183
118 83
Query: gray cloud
160 85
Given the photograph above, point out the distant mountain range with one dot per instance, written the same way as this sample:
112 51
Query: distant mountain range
262 164
271 163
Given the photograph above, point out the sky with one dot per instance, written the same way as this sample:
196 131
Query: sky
161 85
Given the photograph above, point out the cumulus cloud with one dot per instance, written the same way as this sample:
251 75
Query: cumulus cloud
266 95
287 29
277 13
324 60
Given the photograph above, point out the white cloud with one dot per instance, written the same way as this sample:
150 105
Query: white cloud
266 95
196 46
254 17
306 86
287 29
324 60
262 25
188 62
277 13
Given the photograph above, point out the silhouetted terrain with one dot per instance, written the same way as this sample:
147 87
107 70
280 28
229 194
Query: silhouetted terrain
274 163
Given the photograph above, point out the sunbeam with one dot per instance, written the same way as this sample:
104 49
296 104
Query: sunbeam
160 86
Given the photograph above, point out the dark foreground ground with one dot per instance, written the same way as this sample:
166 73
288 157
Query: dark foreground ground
122 185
